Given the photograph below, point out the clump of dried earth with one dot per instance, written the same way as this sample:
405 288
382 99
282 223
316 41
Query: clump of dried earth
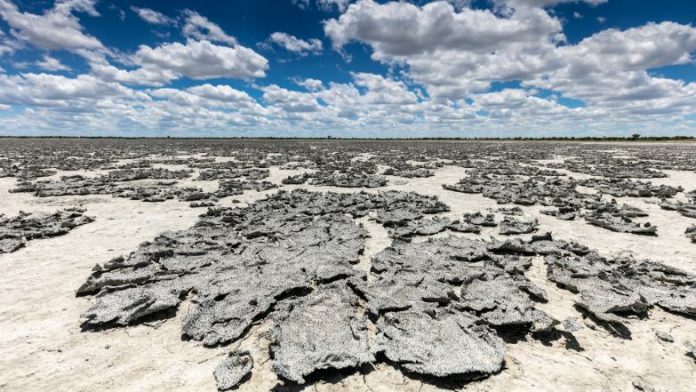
346 266
16 231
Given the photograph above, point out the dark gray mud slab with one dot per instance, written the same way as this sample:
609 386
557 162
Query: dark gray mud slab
598 163
518 225
16 231
237 187
465 276
508 188
233 369
624 210
479 219
562 213
245 287
501 302
400 208
504 166
629 188
610 289
620 224
691 233
238 261
252 174
9 245
160 192
409 172
118 186
514 211
349 180
687 209
290 255
194 194
66 186
138 164
295 180
619 218
130 305
28 173
421 227
203 203
151 194
440 344
143 174
462 227
318 332
431 226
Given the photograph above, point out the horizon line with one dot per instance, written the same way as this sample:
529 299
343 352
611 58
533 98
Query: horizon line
332 138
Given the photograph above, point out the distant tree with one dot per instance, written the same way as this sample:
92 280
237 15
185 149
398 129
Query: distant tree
636 135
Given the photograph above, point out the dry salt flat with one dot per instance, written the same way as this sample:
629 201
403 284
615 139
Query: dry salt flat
45 346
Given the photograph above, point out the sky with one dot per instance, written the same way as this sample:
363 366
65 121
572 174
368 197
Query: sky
348 68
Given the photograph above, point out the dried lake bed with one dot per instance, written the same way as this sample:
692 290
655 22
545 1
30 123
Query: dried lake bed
347 265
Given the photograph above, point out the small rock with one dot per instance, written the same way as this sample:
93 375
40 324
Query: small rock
664 336
571 325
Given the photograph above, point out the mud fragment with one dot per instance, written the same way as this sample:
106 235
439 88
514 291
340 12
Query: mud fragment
318 332
479 219
235 367
431 226
610 289
349 180
518 225
562 213
628 188
441 344
691 232
613 218
16 231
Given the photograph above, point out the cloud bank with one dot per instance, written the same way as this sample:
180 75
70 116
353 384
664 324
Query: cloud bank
447 69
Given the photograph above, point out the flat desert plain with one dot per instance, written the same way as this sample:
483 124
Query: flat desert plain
330 265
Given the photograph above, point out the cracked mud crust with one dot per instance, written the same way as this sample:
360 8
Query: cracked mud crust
259 265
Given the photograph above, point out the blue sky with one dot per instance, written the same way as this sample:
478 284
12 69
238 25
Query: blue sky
347 68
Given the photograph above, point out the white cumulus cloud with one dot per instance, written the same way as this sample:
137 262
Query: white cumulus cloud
57 28
151 16
49 63
295 45
198 27
203 60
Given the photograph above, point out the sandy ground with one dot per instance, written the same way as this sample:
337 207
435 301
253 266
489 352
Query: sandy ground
43 348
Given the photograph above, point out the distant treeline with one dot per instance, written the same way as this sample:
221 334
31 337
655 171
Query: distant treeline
549 138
